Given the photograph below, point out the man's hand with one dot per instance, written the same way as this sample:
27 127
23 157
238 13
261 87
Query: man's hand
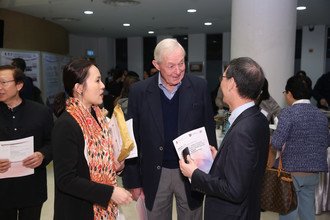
136 193
187 169
4 165
34 160
324 103
214 151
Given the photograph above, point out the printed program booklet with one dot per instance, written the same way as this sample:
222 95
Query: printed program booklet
199 148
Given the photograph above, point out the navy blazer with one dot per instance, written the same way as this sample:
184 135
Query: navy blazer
144 106
233 186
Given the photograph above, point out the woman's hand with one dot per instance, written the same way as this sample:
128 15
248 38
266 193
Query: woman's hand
121 196
119 166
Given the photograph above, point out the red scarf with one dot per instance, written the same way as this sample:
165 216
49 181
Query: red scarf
99 151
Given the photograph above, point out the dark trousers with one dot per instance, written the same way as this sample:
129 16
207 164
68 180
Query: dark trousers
27 213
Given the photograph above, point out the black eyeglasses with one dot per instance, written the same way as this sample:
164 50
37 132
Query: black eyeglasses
4 83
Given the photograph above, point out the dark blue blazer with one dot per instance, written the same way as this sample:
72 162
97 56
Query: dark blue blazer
233 186
144 106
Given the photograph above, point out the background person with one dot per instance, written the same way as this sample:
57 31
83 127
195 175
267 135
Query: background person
84 164
164 107
22 197
321 91
29 91
232 186
122 100
269 107
302 135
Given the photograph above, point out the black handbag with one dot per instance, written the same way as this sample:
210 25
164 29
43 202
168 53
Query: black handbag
277 191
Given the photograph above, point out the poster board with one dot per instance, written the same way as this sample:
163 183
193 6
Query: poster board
52 69
32 59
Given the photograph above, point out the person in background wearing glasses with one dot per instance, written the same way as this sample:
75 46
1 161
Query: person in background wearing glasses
20 118
302 135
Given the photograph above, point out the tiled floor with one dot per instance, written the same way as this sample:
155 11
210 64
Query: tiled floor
129 211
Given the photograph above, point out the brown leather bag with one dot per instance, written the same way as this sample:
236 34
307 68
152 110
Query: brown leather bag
277 191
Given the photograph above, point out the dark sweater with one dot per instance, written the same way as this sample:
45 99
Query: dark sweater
170 110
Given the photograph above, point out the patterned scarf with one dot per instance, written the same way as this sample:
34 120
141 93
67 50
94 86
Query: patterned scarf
99 151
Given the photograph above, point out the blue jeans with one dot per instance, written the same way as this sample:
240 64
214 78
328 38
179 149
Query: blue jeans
305 189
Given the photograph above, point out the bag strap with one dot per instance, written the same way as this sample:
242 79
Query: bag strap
280 165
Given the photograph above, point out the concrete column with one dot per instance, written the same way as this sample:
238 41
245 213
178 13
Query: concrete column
197 53
225 49
313 51
265 31
135 55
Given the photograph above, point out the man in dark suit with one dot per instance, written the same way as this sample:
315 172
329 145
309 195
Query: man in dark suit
164 107
232 186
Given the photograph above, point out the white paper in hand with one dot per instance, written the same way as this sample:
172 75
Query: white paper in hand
199 148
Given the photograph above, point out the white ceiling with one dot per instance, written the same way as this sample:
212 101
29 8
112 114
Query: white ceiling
165 17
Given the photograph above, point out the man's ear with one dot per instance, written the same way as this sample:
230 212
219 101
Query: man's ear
231 84
19 86
156 65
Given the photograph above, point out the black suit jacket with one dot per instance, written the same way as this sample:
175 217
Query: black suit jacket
144 106
232 187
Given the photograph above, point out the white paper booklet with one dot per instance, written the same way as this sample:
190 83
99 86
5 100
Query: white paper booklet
134 152
16 151
199 148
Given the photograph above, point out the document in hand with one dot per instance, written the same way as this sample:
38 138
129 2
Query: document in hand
16 151
199 148
117 139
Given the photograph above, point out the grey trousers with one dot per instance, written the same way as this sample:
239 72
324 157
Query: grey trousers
171 184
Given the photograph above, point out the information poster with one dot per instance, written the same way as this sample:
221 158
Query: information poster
52 69
32 60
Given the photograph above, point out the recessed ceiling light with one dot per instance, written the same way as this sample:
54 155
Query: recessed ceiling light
208 23
151 32
126 24
300 8
191 10
88 12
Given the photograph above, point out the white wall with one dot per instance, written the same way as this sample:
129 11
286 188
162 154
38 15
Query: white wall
313 51
225 49
135 55
104 49
197 52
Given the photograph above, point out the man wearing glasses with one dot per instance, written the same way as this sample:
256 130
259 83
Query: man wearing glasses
19 118
232 186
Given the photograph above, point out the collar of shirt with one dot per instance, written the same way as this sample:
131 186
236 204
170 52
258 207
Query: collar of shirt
302 101
237 111
167 93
